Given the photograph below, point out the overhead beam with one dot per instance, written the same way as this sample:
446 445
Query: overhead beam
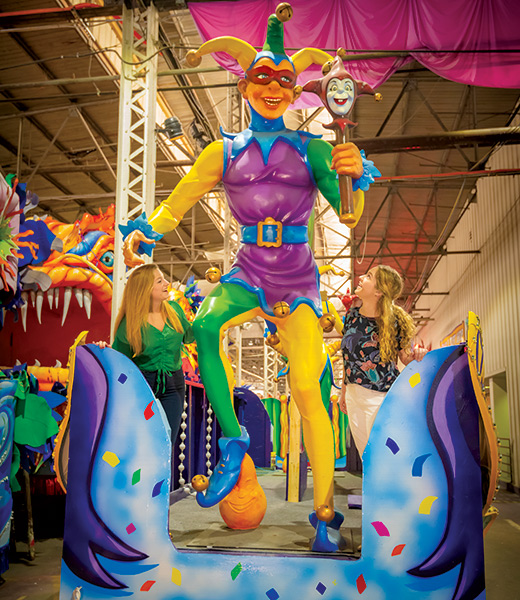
435 141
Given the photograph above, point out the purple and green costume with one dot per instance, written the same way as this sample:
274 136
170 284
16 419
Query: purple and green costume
273 174
267 174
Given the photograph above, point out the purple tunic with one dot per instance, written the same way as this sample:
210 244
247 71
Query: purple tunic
283 189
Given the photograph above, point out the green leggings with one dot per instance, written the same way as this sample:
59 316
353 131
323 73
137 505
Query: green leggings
225 303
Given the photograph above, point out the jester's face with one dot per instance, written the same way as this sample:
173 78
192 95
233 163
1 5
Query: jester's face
269 88
340 95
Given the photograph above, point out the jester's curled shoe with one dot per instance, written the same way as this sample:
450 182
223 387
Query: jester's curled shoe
327 524
227 470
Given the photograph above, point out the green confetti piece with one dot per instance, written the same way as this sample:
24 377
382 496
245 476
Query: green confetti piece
236 571
136 477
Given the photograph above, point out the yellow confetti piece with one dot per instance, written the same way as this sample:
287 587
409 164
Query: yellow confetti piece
414 379
111 458
426 505
176 576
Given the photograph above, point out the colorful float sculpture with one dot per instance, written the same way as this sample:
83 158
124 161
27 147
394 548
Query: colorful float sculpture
62 273
56 273
422 520
271 176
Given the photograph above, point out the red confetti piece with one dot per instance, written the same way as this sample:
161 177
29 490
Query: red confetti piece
148 412
398 549
381 528
361 585
147 586
130 528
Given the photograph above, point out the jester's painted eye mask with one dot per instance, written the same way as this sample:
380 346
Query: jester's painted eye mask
263 75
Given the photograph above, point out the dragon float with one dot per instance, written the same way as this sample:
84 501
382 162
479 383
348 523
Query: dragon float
57 282
56 277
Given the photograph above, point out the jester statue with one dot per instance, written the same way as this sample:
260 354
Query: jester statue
271 176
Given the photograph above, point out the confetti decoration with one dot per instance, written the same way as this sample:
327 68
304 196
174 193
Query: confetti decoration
236 571
418 465
157 488
360 584
320 588
130 528
176 576
381 529
111 458
148 412
272 594
136 476
147 586
426 505
122 378
392 444
398 549
414 379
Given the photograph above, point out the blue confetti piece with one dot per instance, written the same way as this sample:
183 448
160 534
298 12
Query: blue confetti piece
122 378
157 488
320 588
272 594
392 444
418 465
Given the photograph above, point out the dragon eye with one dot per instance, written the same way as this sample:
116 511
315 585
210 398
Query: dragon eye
108 258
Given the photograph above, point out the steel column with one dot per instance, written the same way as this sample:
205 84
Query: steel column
136 138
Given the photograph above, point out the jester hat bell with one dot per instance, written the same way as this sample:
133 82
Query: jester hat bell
273 48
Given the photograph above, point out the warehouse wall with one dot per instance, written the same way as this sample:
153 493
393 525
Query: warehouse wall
487 283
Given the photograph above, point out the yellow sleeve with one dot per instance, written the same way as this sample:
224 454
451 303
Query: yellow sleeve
202 177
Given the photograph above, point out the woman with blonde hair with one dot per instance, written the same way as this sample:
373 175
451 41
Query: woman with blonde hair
376 334
150 330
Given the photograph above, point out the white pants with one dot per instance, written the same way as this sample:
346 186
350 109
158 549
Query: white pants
362 407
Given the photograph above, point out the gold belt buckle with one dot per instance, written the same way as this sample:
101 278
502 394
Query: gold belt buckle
273 233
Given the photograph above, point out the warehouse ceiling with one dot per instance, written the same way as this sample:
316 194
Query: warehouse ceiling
61 138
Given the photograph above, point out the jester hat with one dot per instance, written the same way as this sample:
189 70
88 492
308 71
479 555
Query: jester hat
246 55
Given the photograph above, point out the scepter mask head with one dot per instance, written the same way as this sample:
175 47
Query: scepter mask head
337 88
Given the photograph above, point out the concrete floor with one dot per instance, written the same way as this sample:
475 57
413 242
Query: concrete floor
284 527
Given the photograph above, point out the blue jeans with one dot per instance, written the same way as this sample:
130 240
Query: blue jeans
171 396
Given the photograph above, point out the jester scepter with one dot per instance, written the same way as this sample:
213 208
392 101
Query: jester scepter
339 91
272 176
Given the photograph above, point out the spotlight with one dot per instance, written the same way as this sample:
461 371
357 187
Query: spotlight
172 128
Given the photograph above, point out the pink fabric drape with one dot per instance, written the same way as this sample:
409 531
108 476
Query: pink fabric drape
481 31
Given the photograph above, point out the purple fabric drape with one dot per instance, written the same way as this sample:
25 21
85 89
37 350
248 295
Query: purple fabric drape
481 31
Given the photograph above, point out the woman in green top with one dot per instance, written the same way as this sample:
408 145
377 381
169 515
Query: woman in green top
150 330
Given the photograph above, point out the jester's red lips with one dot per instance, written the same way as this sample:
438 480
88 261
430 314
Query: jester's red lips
340 101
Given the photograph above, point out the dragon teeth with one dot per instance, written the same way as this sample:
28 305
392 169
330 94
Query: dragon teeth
67 294
79 296
23 310
39 304
87 301
83 298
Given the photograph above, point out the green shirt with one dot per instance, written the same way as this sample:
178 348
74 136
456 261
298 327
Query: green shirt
161 349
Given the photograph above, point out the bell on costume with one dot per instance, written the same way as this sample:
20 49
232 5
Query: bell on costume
227 470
